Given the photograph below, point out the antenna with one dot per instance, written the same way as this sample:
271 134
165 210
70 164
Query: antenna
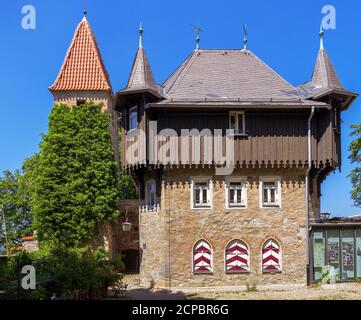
197 30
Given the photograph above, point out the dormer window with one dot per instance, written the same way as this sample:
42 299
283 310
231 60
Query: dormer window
133 118
237 122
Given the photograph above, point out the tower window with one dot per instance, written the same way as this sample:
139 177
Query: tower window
133 118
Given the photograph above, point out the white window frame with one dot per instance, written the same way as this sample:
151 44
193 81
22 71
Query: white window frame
278 196
209 182
130 118
243 181
236 129
150 207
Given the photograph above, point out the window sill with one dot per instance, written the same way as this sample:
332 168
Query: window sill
201 207
270 206
236 207
239 134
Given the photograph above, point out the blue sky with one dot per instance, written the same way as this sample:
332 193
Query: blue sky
282 33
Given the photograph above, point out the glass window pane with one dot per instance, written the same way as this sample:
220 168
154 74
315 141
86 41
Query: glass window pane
318 253
240 122
205 200
358 253
265 195
273 198
239 196
231 196
333 249
233 121
197 193
348 253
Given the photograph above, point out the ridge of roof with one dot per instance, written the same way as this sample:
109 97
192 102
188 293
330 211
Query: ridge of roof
83 68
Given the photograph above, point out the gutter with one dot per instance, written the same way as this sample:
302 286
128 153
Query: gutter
309 148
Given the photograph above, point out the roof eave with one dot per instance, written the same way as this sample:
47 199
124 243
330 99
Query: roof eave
234 104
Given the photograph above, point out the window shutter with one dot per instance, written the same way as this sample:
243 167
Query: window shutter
271 256
202 257
237 257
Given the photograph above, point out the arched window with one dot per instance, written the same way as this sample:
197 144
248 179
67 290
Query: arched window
271 256
237 257
202 257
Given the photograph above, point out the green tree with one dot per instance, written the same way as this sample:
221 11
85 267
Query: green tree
355 157
75 186
15 202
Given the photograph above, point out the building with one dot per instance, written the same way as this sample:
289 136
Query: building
228 158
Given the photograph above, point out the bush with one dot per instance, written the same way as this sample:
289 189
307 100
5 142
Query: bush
62 271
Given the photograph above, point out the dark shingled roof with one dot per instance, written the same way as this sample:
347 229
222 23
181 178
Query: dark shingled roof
141 77
324 75
223 75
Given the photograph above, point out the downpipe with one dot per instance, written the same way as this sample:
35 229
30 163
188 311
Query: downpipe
307 187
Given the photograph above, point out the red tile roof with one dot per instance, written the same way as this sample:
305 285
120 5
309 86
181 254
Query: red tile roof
83 68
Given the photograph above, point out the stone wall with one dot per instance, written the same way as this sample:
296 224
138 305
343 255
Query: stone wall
168 236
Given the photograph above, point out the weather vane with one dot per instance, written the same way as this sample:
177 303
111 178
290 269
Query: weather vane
197 30
85 12
244 38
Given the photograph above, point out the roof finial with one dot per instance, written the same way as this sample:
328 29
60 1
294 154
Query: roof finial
197 30
85 12
245 40
140 31
321 34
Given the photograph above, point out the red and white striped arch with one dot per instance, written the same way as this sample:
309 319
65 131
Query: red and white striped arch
271 256
202 257
237 257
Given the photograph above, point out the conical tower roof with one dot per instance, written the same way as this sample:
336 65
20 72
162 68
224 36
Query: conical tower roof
141 77
83 68
324 75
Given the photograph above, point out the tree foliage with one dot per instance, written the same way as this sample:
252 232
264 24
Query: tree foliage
75 187
16 189
355 157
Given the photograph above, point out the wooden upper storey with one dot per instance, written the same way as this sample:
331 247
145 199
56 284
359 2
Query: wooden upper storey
210 90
